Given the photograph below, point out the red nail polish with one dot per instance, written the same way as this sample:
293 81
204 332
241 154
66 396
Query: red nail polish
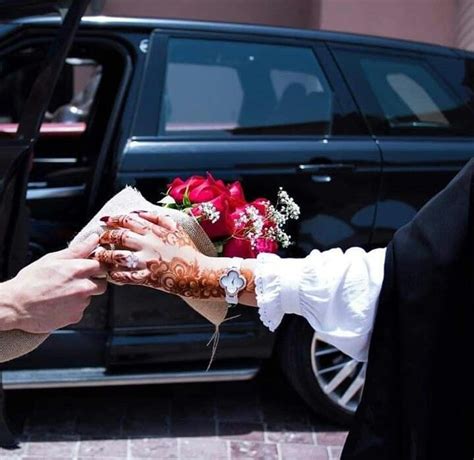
105 218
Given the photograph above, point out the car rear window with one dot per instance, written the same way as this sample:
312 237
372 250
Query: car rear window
404 94
223 88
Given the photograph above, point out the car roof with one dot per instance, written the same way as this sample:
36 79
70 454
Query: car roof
141 24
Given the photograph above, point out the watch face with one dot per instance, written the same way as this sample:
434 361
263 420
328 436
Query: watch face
232 282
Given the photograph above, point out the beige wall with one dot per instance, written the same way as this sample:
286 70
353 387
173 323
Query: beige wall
465 24
432 21
446 22
294 13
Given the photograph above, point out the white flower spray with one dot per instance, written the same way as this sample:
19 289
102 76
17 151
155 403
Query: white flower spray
209 212
271 225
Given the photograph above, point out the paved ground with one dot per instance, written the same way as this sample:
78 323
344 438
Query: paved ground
261 419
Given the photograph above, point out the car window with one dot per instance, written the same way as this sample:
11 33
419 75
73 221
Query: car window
227 88
459 74
71 101
404 95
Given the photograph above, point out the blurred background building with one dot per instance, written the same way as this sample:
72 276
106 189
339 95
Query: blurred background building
446 22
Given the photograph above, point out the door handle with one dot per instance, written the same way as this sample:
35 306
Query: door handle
325 168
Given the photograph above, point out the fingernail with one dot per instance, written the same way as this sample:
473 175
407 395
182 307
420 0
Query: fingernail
105 218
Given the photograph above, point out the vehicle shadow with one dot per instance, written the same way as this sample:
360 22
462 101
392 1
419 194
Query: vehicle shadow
264 410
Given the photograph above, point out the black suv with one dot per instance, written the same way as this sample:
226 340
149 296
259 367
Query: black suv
361 131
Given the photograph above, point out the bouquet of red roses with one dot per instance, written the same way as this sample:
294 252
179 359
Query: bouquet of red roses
236 227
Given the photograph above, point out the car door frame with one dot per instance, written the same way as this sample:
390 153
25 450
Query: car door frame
17 153
16 156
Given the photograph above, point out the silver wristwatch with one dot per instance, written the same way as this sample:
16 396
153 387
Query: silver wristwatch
233 282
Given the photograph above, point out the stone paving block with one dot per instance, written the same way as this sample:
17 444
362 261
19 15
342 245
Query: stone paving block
203 449
14 453
331 438
106 423
239 409
148 428
184 428
52 446
49 422
97 458
48 458
151 421
335 453
282 412
92 448
298 433
244 450
241 431
194 407
156 448
303 451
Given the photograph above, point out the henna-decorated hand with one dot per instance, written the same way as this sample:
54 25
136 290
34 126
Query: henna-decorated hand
144 249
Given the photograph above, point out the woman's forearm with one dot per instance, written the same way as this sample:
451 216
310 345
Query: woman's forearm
217 266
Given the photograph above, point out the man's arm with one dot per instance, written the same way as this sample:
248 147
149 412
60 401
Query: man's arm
52 292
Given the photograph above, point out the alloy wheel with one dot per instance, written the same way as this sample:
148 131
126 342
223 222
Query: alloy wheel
339 376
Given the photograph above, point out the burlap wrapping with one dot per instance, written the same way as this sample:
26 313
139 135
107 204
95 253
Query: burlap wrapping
17 343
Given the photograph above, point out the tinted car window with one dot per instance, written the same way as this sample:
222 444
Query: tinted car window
404 95
459 74
228 88
73 94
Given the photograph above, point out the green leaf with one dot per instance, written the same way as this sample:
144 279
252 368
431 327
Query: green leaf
186 201
219 245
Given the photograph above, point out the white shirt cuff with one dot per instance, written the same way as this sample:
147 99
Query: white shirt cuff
277 288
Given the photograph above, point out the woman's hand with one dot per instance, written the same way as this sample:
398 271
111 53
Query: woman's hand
144 249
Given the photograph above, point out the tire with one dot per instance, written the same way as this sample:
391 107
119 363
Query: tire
298 347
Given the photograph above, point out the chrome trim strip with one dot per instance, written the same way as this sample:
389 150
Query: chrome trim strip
91 377
54 192
55 160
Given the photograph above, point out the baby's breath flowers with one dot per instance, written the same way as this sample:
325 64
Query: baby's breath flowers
209 212
267 222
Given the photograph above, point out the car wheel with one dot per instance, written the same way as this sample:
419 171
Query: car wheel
328 380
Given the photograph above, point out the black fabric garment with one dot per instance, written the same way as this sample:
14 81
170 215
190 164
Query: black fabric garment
417 402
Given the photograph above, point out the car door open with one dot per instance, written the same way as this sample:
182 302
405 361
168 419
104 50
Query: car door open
16 152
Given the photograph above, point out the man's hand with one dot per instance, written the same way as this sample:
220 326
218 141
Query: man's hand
52 292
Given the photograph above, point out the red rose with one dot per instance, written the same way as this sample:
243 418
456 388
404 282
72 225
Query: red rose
238 247
266 245
207 190
198 188
237 194
224 227
178 187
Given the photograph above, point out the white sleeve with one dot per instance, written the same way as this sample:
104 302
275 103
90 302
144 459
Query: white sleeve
337 292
